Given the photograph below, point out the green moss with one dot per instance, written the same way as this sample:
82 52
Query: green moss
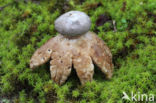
25 26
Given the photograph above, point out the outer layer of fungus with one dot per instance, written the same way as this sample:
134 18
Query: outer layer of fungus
80 51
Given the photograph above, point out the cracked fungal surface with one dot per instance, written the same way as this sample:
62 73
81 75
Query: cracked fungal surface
81 52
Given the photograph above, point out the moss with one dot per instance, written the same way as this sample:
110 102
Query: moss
25 25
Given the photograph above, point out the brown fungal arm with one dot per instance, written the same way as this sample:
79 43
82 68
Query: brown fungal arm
42 55
84 67
102 56
60 66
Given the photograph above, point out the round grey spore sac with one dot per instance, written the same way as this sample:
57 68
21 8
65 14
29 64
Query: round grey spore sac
73 23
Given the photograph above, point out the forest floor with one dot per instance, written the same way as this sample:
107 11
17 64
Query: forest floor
128 27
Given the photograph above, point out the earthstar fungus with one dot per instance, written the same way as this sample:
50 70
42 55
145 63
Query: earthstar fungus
75 45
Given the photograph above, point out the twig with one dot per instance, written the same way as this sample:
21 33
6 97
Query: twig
115 30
